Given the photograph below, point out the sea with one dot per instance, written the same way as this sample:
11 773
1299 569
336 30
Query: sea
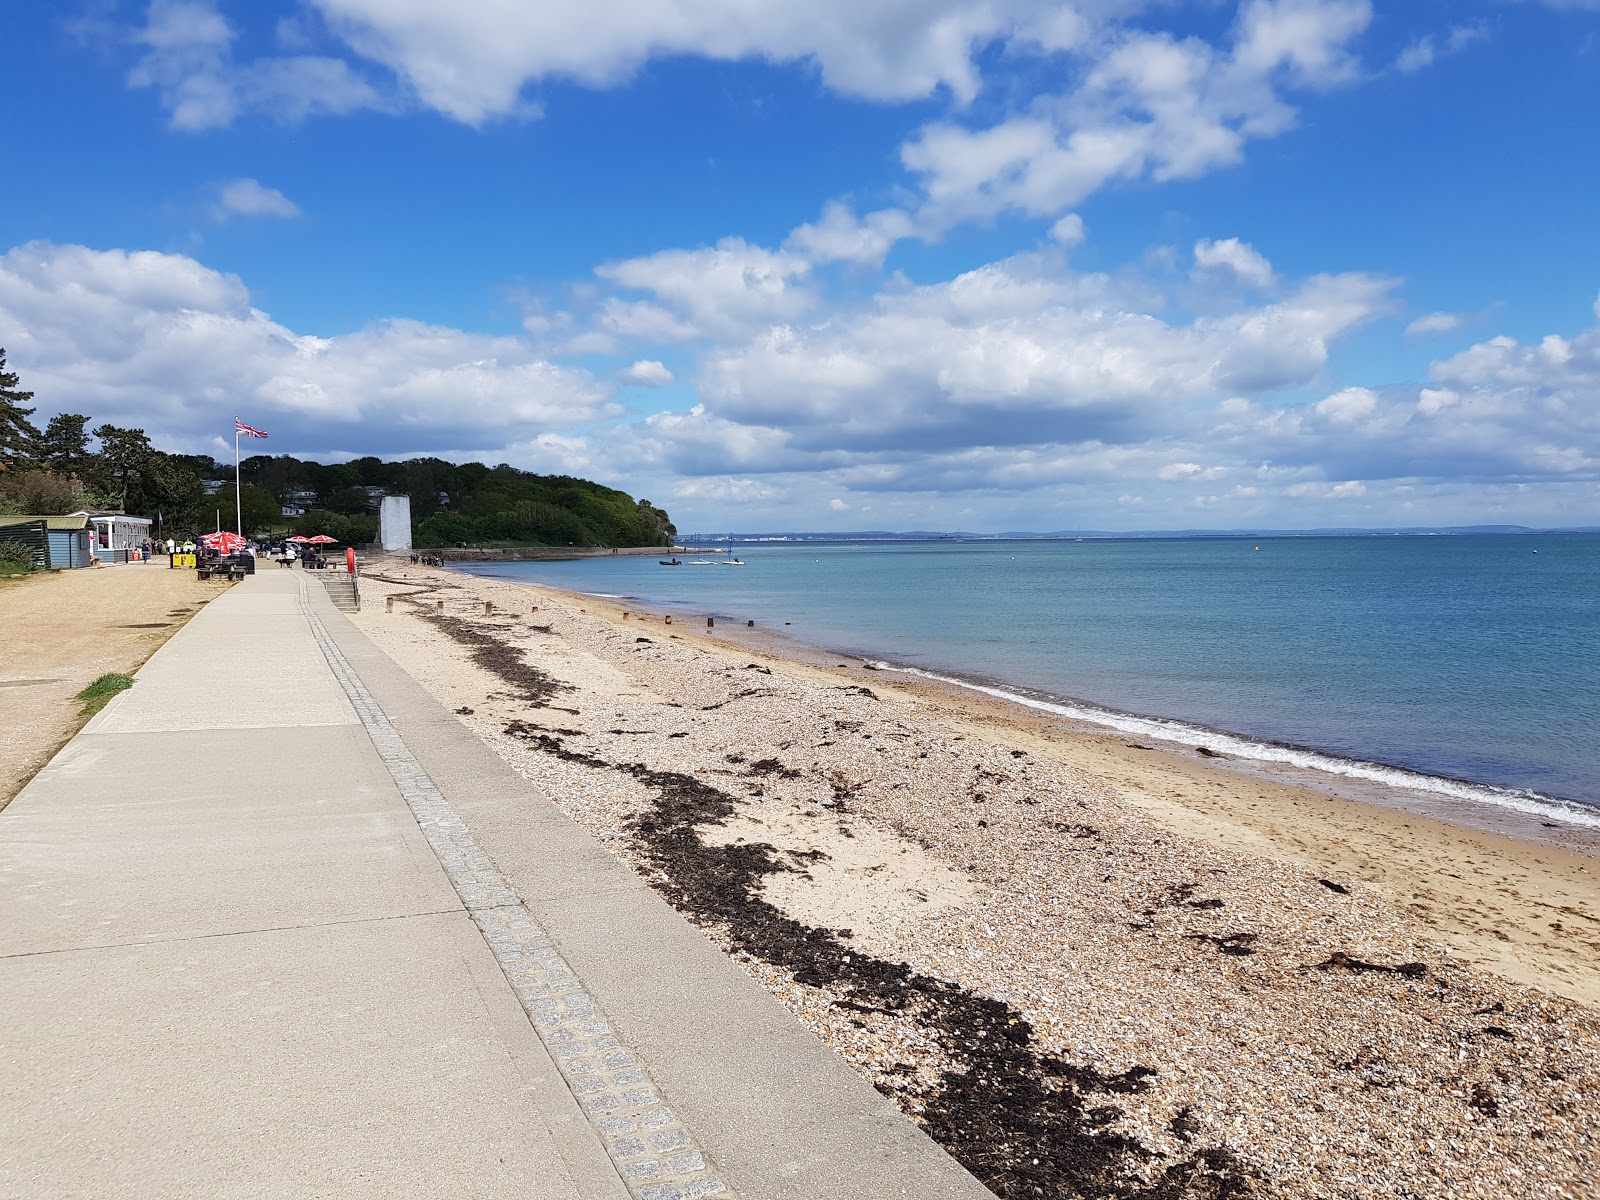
1463 667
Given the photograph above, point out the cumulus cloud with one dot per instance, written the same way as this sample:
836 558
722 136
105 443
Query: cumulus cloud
1436 322
471 61
188 60
1007 355
1237 258
1349 405
716 291
161 341
841 236
1150 105
646 373
1068 231
251 198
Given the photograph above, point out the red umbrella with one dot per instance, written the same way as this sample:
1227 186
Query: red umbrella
224 542
299 537
322 539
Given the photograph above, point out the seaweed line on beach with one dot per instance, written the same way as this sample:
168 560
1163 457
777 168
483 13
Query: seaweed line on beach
1025 1122
537 687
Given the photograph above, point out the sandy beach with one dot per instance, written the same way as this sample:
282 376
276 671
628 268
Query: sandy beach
1087 966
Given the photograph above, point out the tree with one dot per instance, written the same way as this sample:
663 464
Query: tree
259 512
64 444
18 435
45 493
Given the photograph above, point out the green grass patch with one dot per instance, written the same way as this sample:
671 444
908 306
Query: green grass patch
96 695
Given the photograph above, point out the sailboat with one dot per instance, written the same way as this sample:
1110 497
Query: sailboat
732 559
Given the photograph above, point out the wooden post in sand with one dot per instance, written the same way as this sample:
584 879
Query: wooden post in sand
439 607
625 614
749 624
669 618
710 623
388 604
488 607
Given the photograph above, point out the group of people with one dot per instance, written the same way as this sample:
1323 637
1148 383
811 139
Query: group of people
427 560
151 546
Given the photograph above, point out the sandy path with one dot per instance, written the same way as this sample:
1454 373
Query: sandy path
60 631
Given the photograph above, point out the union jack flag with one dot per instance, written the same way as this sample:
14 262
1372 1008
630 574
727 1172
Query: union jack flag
249 430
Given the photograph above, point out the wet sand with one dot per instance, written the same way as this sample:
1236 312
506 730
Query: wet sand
1087 967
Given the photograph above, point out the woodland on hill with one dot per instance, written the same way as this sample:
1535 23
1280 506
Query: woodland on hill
66 467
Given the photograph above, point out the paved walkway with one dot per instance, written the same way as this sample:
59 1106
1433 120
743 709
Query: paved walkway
276 924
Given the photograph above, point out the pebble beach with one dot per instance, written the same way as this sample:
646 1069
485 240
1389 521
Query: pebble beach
1086 968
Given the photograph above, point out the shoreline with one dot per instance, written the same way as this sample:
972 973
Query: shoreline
1292 813
1227 968
1519 813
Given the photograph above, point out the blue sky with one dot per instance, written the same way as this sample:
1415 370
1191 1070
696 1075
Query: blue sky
878 263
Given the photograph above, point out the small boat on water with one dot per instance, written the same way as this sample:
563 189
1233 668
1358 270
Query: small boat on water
669 562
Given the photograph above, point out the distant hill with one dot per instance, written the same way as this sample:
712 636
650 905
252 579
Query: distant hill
465 504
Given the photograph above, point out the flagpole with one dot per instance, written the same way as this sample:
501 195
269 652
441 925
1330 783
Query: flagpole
238 507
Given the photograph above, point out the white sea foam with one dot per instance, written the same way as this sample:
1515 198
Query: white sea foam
1519 800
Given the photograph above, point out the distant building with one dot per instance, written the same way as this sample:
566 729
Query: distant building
114 534
394 523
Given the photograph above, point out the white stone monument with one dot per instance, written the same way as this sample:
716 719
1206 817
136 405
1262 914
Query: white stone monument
394 523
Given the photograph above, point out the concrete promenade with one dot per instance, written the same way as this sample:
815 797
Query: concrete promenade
276 924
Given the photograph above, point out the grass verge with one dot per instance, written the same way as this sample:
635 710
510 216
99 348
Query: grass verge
96 695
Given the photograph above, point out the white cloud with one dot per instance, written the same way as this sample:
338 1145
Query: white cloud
1068 231
250 198
161 341
1236 257
1006 355
838 505
1436 322
1431 401
188 59
1349 405
471 61
1424 51
718 291
646 373
841 236
1149 105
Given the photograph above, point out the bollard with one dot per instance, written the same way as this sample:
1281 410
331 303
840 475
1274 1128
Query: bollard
749 624
669 619
535 608
625 614
709 623
439 606
488 607
388 604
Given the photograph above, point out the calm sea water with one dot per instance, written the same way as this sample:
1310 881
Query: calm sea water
1463 658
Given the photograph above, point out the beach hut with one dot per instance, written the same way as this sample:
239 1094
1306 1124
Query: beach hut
67 540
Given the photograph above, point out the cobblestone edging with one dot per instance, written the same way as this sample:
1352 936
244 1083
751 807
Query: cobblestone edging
656 1156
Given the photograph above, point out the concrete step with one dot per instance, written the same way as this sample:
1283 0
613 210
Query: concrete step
342 591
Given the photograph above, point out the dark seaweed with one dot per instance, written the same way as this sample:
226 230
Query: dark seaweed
494 656
1026 1122
1339 959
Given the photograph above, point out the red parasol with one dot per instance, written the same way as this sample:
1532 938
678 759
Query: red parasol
299 537
323 539
224 541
